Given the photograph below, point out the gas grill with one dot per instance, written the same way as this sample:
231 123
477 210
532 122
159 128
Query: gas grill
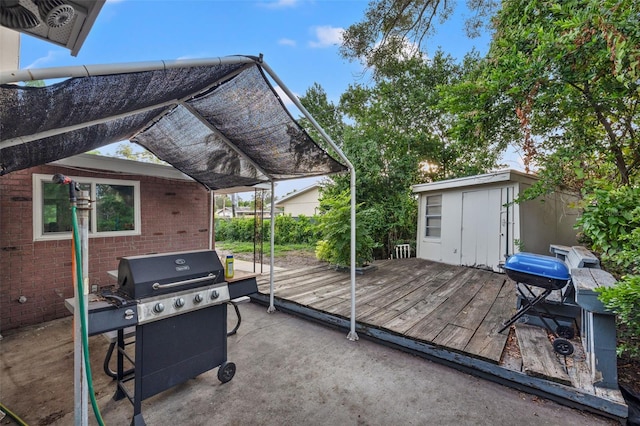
178 305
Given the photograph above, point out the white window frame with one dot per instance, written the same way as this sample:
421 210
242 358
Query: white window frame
427 216
39 235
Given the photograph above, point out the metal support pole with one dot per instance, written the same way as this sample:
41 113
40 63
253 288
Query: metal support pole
352 335
212 245
272 307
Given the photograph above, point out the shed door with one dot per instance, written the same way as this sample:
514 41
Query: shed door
483 228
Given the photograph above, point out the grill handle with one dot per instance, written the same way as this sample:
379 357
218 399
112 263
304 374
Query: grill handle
158 286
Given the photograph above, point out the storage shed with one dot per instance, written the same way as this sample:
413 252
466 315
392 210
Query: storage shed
473 221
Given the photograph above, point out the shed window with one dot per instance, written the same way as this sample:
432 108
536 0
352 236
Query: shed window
115 208
433 216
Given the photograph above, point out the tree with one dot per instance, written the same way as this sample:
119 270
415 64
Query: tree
397 136
549 63
325 112
569 72
390 26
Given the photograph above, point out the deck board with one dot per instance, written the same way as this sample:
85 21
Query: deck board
487 343
433 324
425 301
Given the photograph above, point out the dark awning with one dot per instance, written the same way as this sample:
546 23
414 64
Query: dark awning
221 123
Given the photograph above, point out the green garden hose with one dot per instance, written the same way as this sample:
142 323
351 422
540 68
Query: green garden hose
83 321
12 415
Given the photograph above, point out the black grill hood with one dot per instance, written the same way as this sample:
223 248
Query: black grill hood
138 274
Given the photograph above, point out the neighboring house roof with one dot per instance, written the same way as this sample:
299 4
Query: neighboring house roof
226 212
508 175
296 194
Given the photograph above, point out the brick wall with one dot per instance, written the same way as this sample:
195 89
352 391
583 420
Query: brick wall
174 218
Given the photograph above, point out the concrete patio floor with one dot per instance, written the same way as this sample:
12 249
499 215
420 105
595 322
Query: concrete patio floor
290 371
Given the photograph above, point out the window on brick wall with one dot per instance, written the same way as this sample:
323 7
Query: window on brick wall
115 207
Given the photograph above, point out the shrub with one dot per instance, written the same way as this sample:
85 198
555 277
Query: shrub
335 225
624 300
611 222
289 230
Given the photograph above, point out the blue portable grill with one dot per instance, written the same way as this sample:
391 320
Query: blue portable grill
547 273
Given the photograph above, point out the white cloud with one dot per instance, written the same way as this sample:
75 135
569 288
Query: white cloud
52 55
287 42
326 36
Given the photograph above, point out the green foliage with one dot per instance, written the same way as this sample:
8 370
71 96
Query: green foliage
302 229
289 230
335 226
624 300
564 73
392 27
323 251
237 247
125 150
611 220
396 134
238 229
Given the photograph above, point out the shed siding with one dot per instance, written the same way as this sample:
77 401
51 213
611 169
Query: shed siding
478 230
548 220
174 218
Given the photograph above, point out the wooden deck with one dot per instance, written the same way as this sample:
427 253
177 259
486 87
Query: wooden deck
453 310
450 306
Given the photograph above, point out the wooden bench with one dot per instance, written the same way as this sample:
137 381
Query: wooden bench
598 325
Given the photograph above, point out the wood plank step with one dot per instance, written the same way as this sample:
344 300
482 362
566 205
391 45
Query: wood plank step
538 357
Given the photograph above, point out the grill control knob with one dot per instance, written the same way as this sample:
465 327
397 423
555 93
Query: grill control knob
179 303
197 298
159 307
215 294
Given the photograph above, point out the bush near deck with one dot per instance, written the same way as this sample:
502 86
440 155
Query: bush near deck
611 221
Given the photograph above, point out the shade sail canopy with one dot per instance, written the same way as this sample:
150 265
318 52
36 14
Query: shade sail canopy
217 120
221 123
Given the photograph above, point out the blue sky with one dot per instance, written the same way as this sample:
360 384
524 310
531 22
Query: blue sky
299 40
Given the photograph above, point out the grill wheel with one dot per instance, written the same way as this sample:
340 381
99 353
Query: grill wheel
226 372
561 346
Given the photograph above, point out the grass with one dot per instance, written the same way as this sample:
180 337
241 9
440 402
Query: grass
280 249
